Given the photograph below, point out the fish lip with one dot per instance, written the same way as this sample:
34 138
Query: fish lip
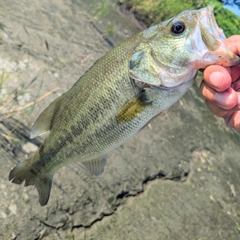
208 20
210 48
186 84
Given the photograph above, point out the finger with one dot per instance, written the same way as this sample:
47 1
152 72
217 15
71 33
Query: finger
219 112
217 77
236 86
207 91
233 44
235 73
233 121
226 100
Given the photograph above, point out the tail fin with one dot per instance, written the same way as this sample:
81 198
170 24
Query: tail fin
25 172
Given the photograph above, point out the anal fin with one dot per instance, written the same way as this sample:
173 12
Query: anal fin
96 166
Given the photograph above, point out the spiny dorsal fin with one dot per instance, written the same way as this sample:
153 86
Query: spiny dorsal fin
96 166
44 121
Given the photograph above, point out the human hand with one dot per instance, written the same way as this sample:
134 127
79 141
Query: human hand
221 88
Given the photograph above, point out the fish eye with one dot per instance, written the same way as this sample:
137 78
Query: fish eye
178 28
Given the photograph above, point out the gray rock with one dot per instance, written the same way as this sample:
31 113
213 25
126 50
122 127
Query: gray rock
178 179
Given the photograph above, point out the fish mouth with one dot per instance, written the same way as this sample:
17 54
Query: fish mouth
181 87
213 38
206 44
212 35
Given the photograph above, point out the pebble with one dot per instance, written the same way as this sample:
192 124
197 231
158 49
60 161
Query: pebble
29 147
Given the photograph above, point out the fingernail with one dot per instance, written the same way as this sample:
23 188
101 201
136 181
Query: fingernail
216 79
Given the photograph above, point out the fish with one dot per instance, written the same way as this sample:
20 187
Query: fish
123 90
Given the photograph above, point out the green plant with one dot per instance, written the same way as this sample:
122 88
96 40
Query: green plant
155 11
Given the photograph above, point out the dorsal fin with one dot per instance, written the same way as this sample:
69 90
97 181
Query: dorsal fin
96 166
44 121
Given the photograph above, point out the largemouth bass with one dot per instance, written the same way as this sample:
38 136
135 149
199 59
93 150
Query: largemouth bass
122 92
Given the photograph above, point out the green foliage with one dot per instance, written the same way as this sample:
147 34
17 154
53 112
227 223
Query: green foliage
227 20
100 8
155 11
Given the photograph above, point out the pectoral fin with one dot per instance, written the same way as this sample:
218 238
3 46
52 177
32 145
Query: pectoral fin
133 108
144 68
96 166
44 121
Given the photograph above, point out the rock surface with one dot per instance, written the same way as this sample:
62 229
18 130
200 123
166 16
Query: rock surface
178 178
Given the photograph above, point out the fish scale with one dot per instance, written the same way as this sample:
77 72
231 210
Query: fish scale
120 93
98 129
